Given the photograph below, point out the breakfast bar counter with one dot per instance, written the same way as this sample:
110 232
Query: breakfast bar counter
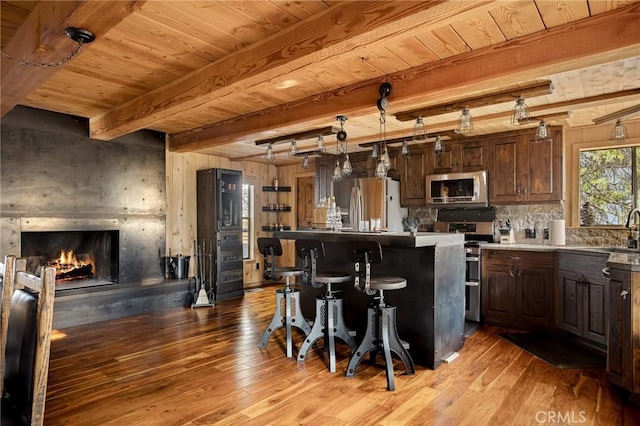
430 310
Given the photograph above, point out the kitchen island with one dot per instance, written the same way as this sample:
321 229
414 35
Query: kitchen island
430 310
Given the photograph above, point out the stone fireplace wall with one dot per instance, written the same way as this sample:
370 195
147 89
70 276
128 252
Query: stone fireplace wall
55 178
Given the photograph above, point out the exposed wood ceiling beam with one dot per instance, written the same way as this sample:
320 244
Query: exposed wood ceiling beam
41 39
298 136
618 114
510 95
558 49
591 101
409 138
345 27
537 119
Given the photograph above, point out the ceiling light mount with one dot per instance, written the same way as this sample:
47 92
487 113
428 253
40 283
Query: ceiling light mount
79 35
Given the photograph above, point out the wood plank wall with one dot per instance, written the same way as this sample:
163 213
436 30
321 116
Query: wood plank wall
181 202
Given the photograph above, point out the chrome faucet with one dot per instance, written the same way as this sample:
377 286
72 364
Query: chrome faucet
634 229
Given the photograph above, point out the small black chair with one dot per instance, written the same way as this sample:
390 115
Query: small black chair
288 313
329 321
381 334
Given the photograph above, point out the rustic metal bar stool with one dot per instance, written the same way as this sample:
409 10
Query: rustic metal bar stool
288 313
382 334
329 322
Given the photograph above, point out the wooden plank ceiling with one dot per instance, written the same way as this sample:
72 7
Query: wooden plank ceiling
219 75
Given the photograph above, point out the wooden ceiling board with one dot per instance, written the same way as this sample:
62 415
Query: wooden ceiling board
302 9
518 19
412 51
197 36
597 7
479 31
263 14
560 12
444 42
13 14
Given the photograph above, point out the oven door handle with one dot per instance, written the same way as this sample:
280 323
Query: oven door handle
472 283
473 259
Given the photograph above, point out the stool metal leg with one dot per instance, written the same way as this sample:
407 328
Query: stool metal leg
328 324
368 344
382 335
288 314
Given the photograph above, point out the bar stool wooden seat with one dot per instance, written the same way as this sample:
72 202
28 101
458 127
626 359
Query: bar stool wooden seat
329 322
381 334
288 313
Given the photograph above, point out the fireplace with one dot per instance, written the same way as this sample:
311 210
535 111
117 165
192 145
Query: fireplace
82 258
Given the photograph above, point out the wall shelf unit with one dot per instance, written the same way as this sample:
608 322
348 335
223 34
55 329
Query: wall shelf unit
276 189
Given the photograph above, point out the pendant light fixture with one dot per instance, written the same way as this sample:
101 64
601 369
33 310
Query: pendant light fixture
619 132
384 163
465 122
320 146
542 132
520 112
438 146
305 162
343 148
270 155
293 149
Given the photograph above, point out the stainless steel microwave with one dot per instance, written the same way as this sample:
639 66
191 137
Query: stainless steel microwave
467 188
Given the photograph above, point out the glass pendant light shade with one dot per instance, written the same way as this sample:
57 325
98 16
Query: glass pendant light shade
374 151
465 122
519 112
381 171
419 129
542 132
320 146
385 159
438 146
293 149
405 148
619 132
346 166
305 162
270 155
337 172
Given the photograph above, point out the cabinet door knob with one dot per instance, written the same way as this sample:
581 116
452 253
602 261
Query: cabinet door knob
624 293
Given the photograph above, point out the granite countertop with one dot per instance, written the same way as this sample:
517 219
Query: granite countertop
619 257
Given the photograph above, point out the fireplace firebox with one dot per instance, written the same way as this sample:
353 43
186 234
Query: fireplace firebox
81 258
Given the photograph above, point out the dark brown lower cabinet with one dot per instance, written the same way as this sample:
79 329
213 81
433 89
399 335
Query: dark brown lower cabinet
582 293
623 350
517 288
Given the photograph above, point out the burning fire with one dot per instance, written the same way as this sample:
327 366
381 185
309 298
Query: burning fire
69 266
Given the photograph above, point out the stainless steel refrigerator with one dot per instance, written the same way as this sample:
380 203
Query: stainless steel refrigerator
362 199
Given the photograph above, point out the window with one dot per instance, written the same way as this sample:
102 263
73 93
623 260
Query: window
247 221
608 185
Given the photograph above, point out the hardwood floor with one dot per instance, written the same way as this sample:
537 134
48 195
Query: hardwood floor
202 366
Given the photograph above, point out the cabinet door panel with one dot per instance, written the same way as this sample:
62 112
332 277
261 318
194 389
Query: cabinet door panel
412 182
570 302
472 156
498 293
542 169
596 321
619 335
534 288
504 183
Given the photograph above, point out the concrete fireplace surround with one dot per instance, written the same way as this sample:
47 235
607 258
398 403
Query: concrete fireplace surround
55 178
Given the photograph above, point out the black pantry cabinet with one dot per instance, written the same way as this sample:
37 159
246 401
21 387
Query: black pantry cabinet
219 193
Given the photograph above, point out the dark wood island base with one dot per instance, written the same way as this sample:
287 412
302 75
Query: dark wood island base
430 310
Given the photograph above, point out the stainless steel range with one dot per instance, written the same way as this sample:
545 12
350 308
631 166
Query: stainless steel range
477 225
